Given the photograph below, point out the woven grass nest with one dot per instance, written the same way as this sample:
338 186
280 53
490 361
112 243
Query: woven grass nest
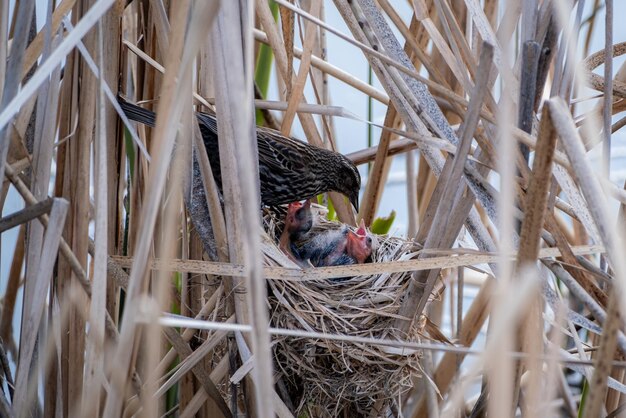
335 378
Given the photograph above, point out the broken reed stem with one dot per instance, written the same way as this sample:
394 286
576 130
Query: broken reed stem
452 259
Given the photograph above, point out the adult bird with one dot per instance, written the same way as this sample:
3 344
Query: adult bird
289 170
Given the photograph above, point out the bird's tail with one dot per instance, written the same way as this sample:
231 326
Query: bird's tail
137 113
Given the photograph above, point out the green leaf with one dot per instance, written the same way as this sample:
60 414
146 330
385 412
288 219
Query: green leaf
382 225
332 214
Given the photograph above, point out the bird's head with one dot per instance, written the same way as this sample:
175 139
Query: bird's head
299 217
348 181
360 243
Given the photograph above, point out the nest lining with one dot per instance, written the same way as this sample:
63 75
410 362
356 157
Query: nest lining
336 376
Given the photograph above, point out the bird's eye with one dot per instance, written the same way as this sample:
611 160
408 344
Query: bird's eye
369 240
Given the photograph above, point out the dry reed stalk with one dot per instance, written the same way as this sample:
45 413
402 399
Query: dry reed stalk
163 144
442 201
378 172
237 137
602 366
32 318
607 111
35 48
193 359
295 91
200 397
530 236
94 359
4 33
450 259
328 68
12 77
434 120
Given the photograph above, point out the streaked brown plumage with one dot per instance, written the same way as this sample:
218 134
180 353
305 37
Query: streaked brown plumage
289 170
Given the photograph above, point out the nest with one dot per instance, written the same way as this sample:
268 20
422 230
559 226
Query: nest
338 377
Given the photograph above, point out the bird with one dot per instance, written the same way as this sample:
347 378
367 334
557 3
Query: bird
308 243
314 245
359 244
298 222
343 247
325 248
289 169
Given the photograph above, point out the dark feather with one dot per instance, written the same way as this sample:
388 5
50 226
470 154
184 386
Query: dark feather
289 170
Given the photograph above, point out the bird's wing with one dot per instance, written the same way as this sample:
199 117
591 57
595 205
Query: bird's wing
137 113
208 121
279 155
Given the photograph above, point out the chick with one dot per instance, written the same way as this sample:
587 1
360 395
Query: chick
325 248
312 245
358 247
298 223
359 244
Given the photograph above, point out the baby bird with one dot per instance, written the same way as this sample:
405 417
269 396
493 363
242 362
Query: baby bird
324 248
298 223
359 245
309 245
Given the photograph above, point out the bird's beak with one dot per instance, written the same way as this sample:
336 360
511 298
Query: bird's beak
361 231
354 200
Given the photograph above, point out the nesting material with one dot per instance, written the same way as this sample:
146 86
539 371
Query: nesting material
338 377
